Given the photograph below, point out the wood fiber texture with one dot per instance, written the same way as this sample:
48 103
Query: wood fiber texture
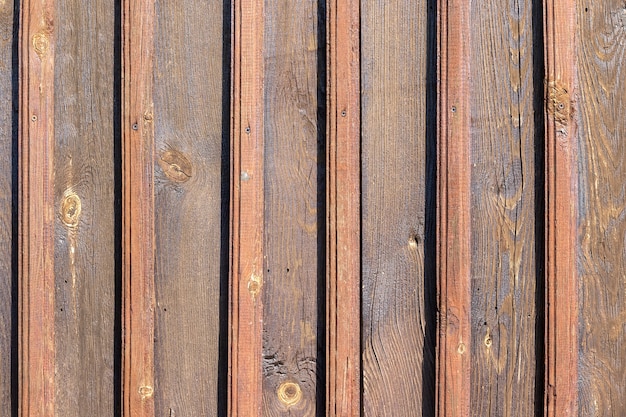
190 134
601 55
84 209
8 159
397 186
503 209
293 200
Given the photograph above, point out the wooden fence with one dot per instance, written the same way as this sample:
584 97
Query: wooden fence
309 207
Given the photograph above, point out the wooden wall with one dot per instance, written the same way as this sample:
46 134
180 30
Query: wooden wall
312 207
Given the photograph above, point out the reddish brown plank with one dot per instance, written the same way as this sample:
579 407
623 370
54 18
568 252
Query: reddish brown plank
561 203
138 208
454 260
247 211
36 223
343 160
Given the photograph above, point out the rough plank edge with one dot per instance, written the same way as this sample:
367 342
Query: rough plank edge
561 371
343 395
138 208
245 390
454 227
36 216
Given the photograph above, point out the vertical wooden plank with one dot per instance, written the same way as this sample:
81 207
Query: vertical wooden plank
84 209
344 216
561 205
247 210
188 139
293 200
138 208
503 209
453 396
599 110
36 223
397 190
7 217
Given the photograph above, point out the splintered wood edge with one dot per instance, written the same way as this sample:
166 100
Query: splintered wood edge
453 363
36 215
138 208
561 373
343 211
247 211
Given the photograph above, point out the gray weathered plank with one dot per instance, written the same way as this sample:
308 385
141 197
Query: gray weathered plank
84 177
394 43
601 218
503 205
292 203
189 139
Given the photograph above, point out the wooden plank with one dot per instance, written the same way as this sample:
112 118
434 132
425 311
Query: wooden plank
454 234
292 322
8 115
247 210
561 205
84 178
188 139
599 110
503 209
398 207
36 202
138 241
343 207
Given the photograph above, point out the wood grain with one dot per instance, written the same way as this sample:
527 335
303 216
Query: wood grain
454 228
397 363
187 185
561 205
503 209
247 210
599 109
84 209
36 217
7 215
343 207
138 242
293 265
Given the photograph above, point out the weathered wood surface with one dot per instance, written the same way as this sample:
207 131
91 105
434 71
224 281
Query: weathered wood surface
397 208
37 210
599 109
247 209
190 234
503 208
343 259
8 160
293 198
84 210
138 240
453 218
561 206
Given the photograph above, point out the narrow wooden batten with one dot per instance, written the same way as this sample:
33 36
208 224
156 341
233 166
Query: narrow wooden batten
454 228
138 245
343 211
561 370
247 211
37 214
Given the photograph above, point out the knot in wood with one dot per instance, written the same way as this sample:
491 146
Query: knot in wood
146 391
289 393
175 165
71 208
254 285
559 104
41 44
